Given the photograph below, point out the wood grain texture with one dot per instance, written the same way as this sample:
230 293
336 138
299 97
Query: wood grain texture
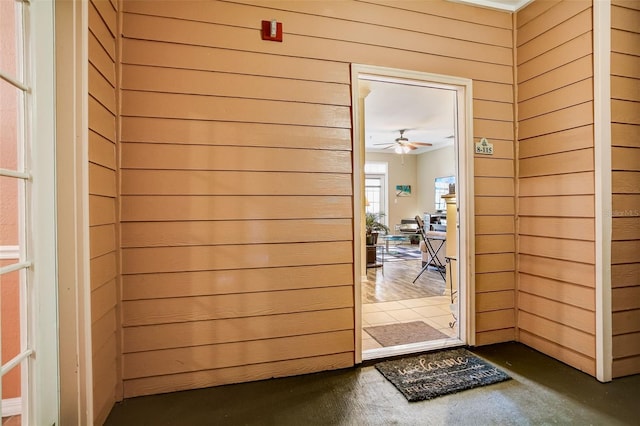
563 97
625 159
557 227
562 141
495 300
242 38
625 182
555 12
494 225
191 107
486 244
626 322
626 135
202 258
571 338
197 358
200 132
237 184
625 275
103 269
244 373
556 79
577 273
103 216
575 359
180 157
495 320
172 234
579 183
572 250
626 345
192 57
495 281
196 82
625 366
560 206
102 151
555 57
234 207
570 294
537 39
200 182
200 283
185 334
558 311
574 116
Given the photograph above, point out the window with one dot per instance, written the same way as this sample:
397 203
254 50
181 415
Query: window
442 188
375 188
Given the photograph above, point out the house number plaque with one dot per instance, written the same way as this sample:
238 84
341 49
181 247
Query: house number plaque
484 147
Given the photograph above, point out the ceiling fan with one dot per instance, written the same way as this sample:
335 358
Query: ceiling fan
402 144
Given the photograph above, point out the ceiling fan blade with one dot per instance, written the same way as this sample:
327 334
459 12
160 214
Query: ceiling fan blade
420 144
384 143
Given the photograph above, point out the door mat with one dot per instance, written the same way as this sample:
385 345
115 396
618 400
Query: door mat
404 333
439 373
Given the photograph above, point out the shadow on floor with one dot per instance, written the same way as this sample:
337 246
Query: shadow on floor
543 391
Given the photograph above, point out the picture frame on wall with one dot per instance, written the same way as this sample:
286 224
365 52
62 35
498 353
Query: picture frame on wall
403 190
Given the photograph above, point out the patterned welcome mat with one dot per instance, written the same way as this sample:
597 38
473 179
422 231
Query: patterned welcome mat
404 333
399 253
439 373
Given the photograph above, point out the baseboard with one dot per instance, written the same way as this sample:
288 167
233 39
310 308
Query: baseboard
11 407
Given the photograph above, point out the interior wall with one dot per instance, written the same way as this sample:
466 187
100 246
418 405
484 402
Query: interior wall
433 164
556 251
625 163
103 215
402 171
237 254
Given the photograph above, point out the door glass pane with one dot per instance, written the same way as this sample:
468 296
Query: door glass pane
10 317
11 101
11 39
9 211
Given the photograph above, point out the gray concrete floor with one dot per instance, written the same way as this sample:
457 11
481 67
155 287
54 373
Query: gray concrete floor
543 391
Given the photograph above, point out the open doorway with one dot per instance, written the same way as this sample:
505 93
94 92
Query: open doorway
413 297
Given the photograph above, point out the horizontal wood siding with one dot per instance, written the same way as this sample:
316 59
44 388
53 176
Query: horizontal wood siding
103 215
556 225
625 165
237 235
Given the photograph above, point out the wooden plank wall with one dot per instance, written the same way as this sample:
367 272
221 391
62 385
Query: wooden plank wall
556 251
103 215
625 156
236 203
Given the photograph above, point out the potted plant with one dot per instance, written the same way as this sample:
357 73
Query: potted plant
374 226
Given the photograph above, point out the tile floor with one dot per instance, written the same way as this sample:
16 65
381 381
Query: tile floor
434 311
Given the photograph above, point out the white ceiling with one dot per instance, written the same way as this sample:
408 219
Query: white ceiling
426 114
508 5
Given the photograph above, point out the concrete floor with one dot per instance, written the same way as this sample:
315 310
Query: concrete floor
543 391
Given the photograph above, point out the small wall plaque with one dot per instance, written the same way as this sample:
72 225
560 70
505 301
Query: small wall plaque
484 147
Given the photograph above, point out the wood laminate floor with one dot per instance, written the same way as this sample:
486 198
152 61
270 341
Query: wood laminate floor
389 296
393 281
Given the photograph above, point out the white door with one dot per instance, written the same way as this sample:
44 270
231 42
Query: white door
29 385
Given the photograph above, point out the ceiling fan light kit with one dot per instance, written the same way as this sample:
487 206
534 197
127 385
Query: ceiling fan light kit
402 144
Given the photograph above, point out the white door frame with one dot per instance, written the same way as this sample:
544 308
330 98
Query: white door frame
72 182
464 189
